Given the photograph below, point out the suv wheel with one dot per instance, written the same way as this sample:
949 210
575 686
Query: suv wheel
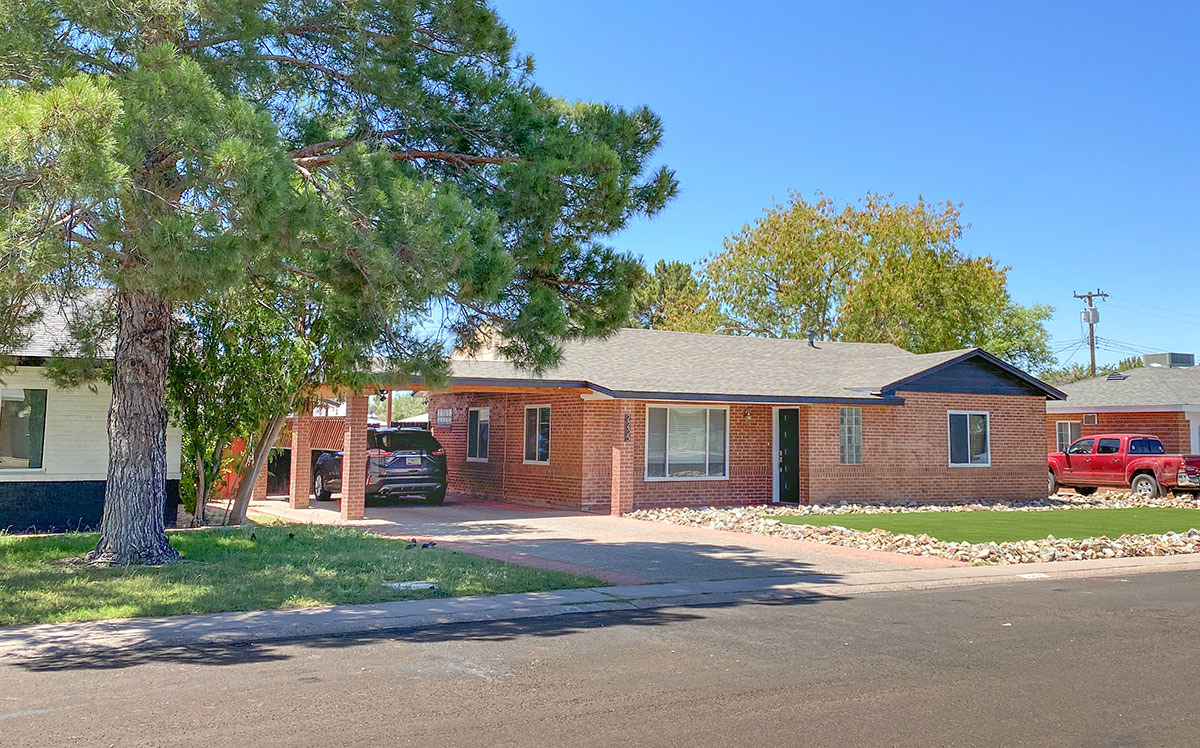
1053 484
436 496
319 488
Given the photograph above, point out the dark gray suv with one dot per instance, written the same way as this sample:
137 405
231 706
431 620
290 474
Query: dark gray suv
400 462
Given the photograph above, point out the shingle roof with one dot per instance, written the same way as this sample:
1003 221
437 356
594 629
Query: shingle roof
1148 386
50 334
646 362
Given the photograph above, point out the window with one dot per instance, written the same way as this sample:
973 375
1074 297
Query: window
1081 447
1108 446
444 416
969 439
686 443
1068 432
402 441
537 433
22 428
850 428
1145 447
477 434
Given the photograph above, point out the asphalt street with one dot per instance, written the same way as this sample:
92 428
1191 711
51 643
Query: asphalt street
1095 662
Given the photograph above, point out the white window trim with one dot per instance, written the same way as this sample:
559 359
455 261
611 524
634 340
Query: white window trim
950 451
449 417
22 472
1069 441
841 460
525 424
481 420
646 443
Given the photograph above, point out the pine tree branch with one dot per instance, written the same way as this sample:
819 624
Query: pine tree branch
343 77
460 160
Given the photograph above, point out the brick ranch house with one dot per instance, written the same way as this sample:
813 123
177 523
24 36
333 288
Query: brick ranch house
1162 400
648 418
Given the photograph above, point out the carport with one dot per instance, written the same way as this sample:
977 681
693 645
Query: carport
354 459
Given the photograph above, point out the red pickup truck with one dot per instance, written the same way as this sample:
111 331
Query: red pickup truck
1118 460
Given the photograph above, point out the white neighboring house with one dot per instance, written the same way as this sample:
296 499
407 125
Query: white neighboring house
54 445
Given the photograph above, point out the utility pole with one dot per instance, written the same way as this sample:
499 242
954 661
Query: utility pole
1091 315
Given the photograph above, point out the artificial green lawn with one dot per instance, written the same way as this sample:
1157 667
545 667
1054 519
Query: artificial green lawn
224 569
985 526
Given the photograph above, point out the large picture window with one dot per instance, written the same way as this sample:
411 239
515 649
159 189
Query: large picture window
22 428
537 433
478 421
686 443
1068 432
969 439
850 435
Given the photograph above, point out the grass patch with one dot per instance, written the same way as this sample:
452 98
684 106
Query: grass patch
227 570
994 526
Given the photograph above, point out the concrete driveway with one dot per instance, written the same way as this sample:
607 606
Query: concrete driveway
615 549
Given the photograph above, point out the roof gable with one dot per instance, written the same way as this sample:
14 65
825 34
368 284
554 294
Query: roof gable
976 372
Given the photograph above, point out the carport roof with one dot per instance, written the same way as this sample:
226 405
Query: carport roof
657 364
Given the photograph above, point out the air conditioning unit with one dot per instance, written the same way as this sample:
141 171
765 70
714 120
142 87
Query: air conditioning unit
1170 360
1089 419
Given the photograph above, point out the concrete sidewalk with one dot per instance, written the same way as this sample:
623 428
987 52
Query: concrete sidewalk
49 640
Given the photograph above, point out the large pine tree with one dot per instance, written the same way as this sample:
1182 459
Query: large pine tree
393 154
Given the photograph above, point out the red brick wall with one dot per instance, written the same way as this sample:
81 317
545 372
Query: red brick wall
1172 427
505 476
750 463
905 453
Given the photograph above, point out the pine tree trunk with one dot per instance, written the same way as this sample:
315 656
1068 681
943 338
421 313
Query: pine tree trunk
132 528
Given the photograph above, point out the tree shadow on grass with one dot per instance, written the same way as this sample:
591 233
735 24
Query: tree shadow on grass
224 655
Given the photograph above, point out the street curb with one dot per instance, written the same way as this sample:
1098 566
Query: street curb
58 639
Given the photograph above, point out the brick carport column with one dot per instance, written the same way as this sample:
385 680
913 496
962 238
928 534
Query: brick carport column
623 460
354 459
301 472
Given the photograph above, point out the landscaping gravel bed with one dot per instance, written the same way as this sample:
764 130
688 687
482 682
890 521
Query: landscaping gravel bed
760 520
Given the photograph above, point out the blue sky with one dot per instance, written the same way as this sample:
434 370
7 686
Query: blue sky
1067 130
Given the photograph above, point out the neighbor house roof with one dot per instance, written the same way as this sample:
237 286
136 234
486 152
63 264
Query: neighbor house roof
1147 388
50 335
658 364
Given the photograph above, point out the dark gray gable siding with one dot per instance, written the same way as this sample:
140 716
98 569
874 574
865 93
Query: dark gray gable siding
973 376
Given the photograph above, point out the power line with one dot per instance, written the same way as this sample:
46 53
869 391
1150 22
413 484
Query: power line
1151 306
1133 347
1154 314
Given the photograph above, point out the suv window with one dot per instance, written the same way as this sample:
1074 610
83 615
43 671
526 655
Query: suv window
399 441
1145 447
1081 447
1108 447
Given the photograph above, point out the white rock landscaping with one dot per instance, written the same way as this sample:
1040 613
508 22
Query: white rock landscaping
760 520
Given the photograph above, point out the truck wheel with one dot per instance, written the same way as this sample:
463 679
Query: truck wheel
1052 487
1145 486
1085 490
